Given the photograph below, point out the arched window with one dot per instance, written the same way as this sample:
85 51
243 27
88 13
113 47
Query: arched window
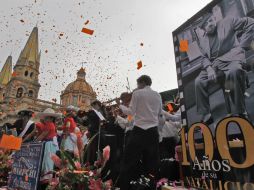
30 93
26 73
19 93
31 74
75 100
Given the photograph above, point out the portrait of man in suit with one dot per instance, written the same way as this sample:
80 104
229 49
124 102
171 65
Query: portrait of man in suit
223 48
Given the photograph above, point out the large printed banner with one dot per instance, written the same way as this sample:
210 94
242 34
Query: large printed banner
26 168
214 53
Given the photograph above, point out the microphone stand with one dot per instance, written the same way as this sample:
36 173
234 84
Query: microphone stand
102 119
99 141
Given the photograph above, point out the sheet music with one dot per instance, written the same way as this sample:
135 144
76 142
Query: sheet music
102 118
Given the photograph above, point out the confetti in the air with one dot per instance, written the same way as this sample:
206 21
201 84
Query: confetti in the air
87 31
86 22
184 46
139 65
170 107
14 74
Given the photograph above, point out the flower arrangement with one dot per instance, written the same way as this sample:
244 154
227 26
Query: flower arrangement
5 167
161 182
72 175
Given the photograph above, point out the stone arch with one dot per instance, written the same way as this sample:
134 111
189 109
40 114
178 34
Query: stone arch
26 73
20 92
30 93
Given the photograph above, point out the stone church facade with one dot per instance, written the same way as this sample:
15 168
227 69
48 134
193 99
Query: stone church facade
19 88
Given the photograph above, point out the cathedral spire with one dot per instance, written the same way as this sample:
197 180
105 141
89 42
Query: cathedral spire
5 74
31 49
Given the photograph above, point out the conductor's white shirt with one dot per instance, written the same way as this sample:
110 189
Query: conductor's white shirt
146 107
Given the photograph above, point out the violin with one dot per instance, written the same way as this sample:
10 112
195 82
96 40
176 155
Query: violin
126 98
81 113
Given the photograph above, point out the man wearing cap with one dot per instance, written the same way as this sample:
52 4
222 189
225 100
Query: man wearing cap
223 52
24 125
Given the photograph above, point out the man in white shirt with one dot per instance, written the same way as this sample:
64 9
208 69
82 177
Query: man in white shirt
143 143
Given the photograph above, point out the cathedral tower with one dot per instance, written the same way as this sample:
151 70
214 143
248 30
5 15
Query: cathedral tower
24 81
5 76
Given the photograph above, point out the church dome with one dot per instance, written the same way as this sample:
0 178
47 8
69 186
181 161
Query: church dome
80 85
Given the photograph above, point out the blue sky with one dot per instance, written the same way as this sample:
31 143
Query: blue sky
111 54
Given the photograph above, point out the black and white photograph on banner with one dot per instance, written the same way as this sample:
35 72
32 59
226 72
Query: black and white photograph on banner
217 69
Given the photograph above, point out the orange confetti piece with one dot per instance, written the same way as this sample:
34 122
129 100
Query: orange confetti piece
86 22
10 142
14 74
26 178
170 107
184 46
129 118
87 31
22 21
139 65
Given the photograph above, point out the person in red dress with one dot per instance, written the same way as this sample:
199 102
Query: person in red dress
48 135
70 131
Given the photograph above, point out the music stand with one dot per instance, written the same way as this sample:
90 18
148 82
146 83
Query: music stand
102 118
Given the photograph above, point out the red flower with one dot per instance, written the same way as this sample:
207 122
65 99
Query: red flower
80 143
95 184
108 184
106 153
54 182
76 153
91 173
57 161
161 182
78 165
